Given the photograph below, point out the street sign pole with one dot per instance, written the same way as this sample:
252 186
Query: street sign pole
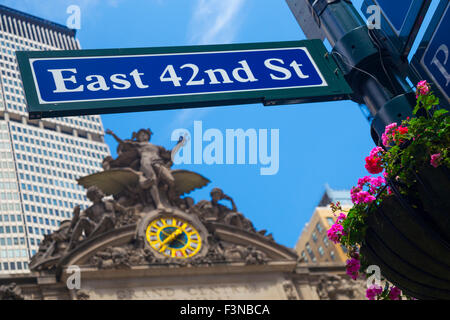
369 70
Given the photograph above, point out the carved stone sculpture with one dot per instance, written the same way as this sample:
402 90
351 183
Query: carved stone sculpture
82 295
248 254
289 289
98 218
141 176
154 163
11 292
214 211
142 185
334 287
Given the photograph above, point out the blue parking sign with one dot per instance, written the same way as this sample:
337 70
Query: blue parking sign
432 59
396 12
436 57
400 20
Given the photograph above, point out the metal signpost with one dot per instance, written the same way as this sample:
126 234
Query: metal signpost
400 21
64 83
303 13
432 59
376 79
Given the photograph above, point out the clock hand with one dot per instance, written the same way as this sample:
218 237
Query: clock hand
172 236
179 241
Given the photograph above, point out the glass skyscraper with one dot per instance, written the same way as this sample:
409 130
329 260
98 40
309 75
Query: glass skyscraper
39 159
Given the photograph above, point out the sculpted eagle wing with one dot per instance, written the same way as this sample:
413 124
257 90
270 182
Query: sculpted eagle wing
112 181
187 181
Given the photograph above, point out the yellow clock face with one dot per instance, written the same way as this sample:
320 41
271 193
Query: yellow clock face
173 237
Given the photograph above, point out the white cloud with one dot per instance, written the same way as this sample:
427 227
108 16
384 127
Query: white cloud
215 21
185 118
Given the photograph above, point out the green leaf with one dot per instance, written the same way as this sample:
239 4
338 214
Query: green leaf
436 100
439 113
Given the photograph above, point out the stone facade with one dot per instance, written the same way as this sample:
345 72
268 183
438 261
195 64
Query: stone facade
148 242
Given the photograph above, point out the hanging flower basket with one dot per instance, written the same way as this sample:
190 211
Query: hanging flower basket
408 240
400 220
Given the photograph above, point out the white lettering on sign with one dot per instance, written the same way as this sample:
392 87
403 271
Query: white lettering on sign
441 65
213 79
98 84
286 72
66 80
249 77
116 79
137 79
296 66
95 82
195 69
60 80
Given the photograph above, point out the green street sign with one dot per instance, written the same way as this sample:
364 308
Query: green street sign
80 82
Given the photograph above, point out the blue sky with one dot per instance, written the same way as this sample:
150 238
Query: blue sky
319 143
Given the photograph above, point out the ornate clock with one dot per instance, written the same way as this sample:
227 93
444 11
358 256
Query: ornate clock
173 237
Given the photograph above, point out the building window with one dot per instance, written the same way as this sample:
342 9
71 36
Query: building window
314 236
344 248
319 227
325 240
321 251
311 253
333 257
330 221
305 258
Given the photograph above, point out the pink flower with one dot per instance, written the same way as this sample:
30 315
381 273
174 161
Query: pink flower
353 193
362 197
373 291
341 218
423 88
388 132
335 232
394 293
385 140
362 181
378 181
436 159
358 194
388 128
373 164
352 266
376 151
